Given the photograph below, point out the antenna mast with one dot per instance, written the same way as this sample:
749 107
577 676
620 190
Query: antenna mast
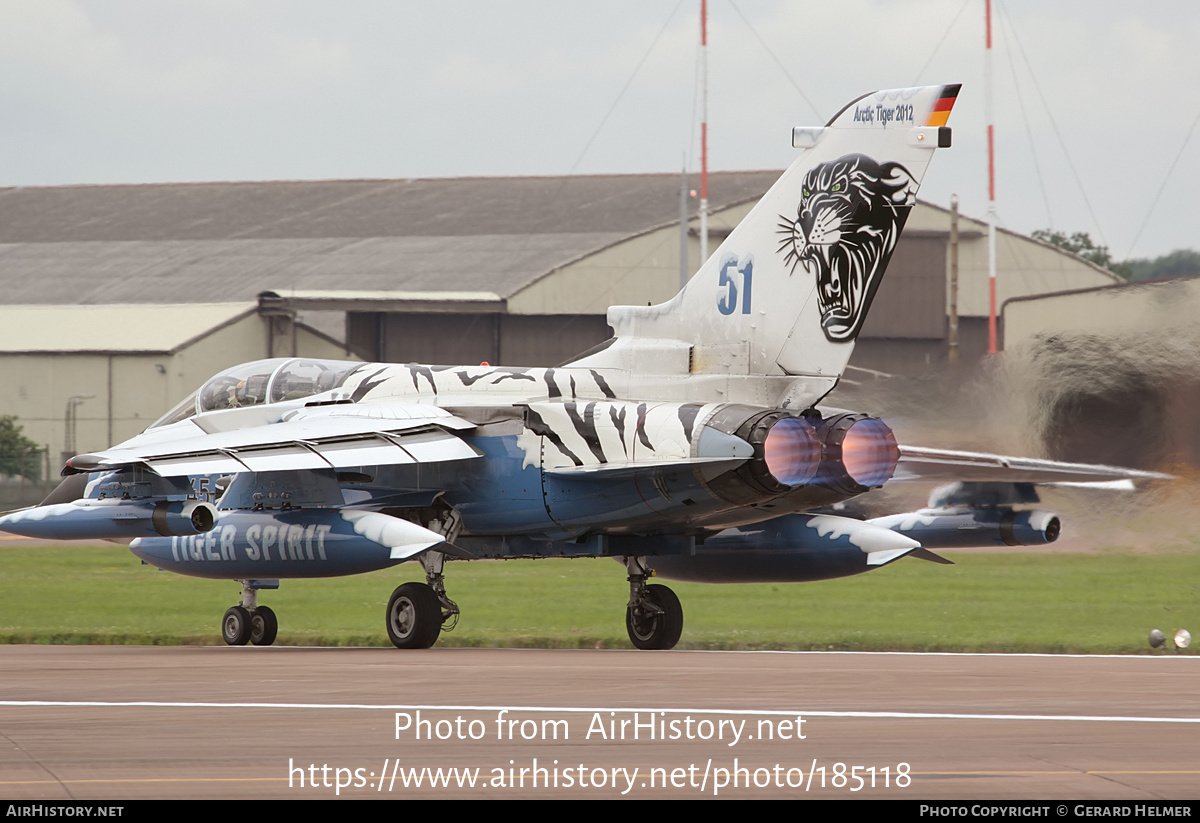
991 214
704 131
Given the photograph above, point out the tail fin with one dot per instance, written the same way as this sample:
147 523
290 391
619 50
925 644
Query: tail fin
788 290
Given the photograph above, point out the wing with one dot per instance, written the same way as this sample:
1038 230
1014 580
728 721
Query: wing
975 506
918 463
322 437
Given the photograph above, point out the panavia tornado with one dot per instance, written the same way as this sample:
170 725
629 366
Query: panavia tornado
691 445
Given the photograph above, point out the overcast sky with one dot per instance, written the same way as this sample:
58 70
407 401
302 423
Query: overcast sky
144 91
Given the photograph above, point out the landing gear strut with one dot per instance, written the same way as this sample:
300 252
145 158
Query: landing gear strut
654 617
249 622
417 611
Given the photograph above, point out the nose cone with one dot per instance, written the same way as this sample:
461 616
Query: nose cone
39 521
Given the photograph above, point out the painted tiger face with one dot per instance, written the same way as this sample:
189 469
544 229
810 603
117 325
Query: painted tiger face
850 214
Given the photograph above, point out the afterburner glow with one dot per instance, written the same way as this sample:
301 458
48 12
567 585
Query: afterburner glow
791 451
869 452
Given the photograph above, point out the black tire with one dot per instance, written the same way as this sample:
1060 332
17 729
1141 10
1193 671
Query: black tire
656 631
414 617
236 626
263 626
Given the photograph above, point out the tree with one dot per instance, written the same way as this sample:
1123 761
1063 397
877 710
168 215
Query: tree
1179 263
19 456
1080 243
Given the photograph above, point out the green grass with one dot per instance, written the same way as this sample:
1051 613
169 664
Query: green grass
1098 603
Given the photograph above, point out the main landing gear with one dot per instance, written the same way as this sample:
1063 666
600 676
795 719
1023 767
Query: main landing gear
417 611
249 622
654 616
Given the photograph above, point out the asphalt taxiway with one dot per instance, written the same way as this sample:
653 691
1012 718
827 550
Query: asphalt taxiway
215 722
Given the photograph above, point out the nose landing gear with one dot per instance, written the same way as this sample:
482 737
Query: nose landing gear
249 622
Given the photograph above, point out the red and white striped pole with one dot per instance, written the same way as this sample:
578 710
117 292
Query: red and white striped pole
704 131
991 214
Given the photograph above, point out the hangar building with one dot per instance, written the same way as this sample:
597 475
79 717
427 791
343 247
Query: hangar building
79 378
512 271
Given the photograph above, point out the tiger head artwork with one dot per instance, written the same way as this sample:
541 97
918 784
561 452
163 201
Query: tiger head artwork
850 214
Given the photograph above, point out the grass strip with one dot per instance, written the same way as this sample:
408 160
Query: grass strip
1014 602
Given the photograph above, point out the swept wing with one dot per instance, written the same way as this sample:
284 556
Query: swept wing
320 437
917 463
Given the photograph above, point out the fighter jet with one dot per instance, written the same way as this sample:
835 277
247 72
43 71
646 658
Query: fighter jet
692 444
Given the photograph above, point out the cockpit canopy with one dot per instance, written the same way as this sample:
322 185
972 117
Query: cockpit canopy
263 381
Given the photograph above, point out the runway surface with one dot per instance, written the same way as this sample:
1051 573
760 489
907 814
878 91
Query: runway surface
188 722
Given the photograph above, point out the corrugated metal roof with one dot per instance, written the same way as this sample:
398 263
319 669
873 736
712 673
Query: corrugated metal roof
200 241
144 327
450 207
177 270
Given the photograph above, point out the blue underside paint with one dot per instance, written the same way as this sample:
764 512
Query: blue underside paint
269 544
783 550
509 509
496 495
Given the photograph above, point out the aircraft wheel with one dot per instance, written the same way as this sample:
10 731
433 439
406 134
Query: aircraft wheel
656 631
236 626
414 617
263 627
